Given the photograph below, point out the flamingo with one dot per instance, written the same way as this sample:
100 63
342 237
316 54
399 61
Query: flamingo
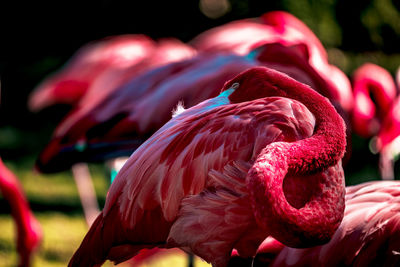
69 84
243 36
29 232
212 178
94 71
369 234
387 142
101 65
374 91
121 122
375 113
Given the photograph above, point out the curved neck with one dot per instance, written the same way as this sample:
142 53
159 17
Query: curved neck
328 143
373 80
310 225
318 155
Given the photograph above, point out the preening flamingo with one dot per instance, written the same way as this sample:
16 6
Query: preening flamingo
117 125
369 234
29 232
226 174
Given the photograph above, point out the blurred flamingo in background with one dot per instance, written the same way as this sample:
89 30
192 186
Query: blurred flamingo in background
376 113
29 232
369 234
244 35
374 91
215 163
281 27
117 56
387 142
165 51
70 83
94 71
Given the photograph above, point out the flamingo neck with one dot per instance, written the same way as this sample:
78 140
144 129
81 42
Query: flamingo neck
327 146
316 158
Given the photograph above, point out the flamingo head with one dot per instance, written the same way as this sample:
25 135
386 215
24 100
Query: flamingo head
297 188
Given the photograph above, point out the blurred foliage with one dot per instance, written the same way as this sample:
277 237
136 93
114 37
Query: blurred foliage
62 235
59 192
354 26
320 17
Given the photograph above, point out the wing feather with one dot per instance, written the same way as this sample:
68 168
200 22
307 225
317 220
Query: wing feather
179 159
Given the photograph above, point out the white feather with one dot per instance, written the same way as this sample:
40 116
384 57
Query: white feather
178 109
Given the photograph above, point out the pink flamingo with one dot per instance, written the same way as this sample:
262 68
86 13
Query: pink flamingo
68 85
216 163
368 114
165 51
122 121
243 36
121 56
92 74
387 142
375 113
29 232
369 234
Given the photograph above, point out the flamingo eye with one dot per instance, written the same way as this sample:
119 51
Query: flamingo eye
230 90
235 86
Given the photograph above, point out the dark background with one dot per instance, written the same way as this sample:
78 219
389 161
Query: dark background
38 37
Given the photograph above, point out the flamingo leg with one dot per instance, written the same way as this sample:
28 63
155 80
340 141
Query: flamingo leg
86 192
190 260
386 166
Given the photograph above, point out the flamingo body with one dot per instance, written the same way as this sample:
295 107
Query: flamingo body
221 162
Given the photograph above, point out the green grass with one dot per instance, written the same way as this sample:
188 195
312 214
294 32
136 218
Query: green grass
54 191
55 202
62 235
